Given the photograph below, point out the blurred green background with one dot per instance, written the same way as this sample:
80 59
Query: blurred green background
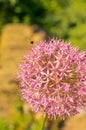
22 21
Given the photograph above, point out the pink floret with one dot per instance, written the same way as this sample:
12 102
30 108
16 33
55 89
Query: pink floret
52 78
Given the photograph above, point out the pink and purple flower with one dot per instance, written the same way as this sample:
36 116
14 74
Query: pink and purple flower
52 78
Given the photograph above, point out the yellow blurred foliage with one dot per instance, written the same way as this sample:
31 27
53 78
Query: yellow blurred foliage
15 42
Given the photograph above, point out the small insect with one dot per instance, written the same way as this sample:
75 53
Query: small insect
32 42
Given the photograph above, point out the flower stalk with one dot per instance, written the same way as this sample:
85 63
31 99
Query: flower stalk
44 121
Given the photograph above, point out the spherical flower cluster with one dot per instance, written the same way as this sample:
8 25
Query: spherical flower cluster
52 78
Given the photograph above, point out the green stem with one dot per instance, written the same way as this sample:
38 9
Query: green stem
43 125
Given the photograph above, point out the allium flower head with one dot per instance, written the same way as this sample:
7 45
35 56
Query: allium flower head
52 78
